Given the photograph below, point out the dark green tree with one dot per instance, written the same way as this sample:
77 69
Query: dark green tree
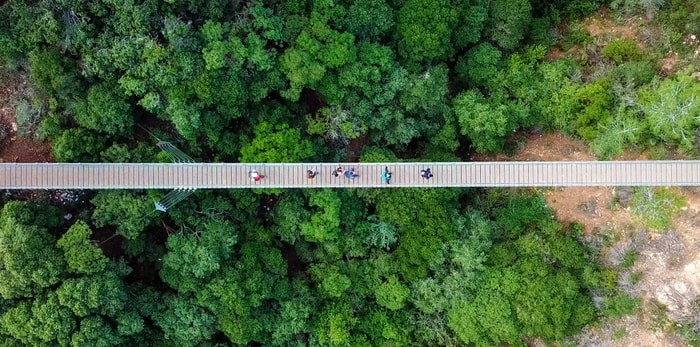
184 322
193 257
508 22
424 28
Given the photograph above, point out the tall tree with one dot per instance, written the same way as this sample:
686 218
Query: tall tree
194 257
424 28
129 213
29 260
508 22
80 252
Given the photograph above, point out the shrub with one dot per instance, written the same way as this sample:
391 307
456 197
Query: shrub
639 72
672 110
27 114
632 6
629 258
50 127
575 34
655 207
620 305
622 50
689 332
597 103
3 132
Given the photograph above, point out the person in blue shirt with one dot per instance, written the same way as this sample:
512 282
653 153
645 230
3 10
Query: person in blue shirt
351 173
386 175
426 174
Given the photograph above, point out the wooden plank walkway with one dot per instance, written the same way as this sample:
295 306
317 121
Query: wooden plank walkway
458 174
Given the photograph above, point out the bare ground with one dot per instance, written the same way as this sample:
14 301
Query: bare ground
603 26
14 148
648 35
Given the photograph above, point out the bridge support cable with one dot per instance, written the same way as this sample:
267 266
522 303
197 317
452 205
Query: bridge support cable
172 198
177 195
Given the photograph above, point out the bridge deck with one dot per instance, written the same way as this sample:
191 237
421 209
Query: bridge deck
459 174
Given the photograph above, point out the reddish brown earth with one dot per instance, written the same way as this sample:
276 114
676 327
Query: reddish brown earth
13 148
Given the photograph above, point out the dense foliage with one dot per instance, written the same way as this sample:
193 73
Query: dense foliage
314 80
494 272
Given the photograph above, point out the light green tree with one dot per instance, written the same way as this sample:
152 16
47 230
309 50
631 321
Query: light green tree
485 125
80 252
194 257
106 110
391 294
129 213
276 144
103 293
185 323
29 260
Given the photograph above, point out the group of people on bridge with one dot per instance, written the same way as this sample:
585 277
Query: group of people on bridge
350 174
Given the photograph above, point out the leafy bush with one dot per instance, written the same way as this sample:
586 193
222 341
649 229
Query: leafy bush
638 72
655 207
27 114
3 132
620 50
620 305
689 332
575 34
623 131
628 259
683 16
672 110
50 127
77 145
541 32
579 8
597 102
631 6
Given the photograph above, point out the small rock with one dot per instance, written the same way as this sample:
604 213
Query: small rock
624 196
535 130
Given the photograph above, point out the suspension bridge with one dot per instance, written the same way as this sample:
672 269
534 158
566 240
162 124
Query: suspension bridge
190 176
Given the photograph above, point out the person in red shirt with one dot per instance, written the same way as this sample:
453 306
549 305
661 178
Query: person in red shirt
255 176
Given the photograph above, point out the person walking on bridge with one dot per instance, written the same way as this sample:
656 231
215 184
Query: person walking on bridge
351 174
386 175
255 176
426 173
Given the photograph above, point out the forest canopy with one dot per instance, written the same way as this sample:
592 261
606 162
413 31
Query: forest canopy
306 81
